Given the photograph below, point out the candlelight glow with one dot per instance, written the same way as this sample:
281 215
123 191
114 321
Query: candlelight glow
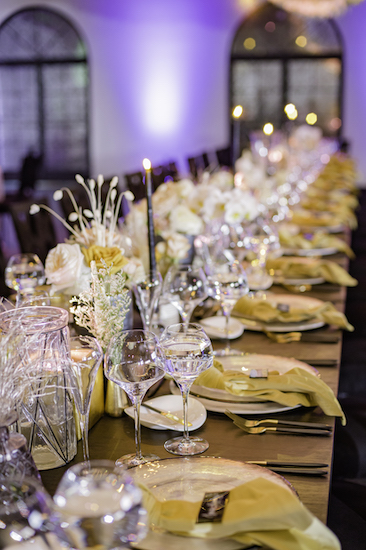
289 108
268 129
249 43
293 115
146 164
311 118
238 111
301 41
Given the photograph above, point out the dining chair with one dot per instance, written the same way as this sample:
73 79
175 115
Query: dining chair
35 233
224 156
198 164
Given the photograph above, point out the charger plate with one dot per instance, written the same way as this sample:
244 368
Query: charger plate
188 479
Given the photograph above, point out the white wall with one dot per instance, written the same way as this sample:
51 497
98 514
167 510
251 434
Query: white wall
159 76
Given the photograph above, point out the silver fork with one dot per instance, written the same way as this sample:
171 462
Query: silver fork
253 424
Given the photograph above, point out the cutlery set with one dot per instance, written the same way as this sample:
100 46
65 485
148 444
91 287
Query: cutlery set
295 468
282 426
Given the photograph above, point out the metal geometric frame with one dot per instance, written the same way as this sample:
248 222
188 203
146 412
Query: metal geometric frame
43 43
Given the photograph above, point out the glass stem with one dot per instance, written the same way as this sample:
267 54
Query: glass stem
226 311
185 393
136 400
84 425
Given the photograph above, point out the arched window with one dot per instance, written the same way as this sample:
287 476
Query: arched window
43 94
279 58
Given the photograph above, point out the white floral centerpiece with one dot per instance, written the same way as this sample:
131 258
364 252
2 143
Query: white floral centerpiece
96 237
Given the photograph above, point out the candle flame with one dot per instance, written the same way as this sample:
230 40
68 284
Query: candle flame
268 129
146 164
237 111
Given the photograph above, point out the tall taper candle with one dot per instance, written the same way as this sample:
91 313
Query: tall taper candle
236 153
150 221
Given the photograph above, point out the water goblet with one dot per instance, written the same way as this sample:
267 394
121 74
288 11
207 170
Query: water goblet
86 356
135 361
100 507
185 287
188 352
23 273
26 514
227 283
147 293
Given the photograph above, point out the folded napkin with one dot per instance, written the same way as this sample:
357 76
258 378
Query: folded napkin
317 240
295 268
259 511
316 198
329 218
264 310
296 387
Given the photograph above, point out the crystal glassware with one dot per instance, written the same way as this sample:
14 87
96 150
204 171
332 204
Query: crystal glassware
86 356
147 293
185 287
188 352
227 283
99 506
26 514
134 361
23 273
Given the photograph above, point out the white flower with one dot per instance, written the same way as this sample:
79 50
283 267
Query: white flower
66 269
176 245
34 209
129 196
57 196
185 187
183 220
135 270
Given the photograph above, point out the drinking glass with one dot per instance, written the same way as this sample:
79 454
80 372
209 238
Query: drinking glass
188 352
185 287
23 273
86 356
135 361
26 514
227 283
147 293
99 506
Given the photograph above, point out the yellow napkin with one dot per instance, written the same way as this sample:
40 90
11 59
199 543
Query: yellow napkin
257 512
324 219
313 267
295 387
264 310
317 240
318 199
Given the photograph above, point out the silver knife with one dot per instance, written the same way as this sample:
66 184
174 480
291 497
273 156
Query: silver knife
282 463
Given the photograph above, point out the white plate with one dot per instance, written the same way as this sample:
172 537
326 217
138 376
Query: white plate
245 363
308 281
291 300
309 251
215 327
190 478
171 403
266 407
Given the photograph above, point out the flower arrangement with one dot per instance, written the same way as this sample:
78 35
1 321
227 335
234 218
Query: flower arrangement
94 236
102 308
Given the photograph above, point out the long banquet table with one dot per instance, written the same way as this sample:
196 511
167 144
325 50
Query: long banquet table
111 437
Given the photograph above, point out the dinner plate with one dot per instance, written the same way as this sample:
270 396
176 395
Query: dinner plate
246 363
292 301
215 327
171 403
189 479
298 281
263 407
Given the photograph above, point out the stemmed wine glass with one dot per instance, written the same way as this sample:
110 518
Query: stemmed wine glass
134 361
86 356
185 287
99 506
188 352
147 293
23 273
227 283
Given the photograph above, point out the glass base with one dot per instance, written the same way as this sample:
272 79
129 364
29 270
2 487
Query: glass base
226 352
132 460
186 447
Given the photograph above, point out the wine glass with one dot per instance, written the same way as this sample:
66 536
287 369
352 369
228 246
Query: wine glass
26 514
99 506
86 356
227 283
263 240
188 352
185 287
23 273
134 361
147 293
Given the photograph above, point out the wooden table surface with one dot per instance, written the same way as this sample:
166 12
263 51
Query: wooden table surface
111 438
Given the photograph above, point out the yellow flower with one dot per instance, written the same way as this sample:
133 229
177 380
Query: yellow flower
111 255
